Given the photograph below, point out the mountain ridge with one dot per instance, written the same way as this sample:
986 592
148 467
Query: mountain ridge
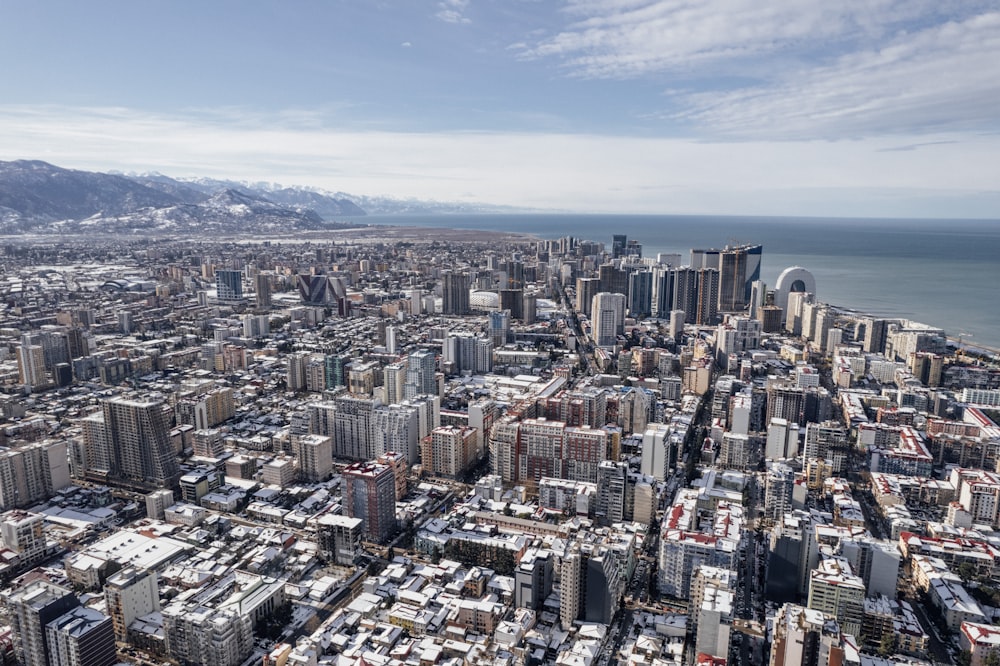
37 197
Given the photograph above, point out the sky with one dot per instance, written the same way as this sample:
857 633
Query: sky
883 108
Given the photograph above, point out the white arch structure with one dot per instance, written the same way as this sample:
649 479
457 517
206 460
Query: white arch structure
794 278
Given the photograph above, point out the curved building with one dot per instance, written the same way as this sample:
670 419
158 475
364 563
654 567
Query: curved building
794 278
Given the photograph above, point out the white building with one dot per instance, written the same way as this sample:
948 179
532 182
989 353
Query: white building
607 318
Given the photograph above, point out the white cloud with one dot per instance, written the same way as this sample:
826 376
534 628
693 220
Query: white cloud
807 68
453 11
940 78
567 171
627 38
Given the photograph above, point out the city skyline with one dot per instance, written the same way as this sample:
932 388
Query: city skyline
872 109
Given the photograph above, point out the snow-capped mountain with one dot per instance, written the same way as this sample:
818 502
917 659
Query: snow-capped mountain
37 197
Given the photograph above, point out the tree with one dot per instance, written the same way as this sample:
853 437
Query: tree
887 646
966 571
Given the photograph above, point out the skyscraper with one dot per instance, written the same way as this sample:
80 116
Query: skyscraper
610 506
454 293
618 243
130 443
662 301
229 284
335 369
512 300
686 293
640 294
31 365
586 289
396 430
394 379
262 288
607 318
499 328
707 310
613 279
370 494
530 306
420 376
739 269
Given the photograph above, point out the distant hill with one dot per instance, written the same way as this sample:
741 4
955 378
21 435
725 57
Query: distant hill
328 206
37 197
33 194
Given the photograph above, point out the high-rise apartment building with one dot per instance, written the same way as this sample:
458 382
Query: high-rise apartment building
584 448
229 284
827 441
499 328
607 318
393 381
449 451
529 450
454 293
295 375
640 294
685 281
586 289
659 451
32 473
396 428
836 591
785 401
206 636
421 373
315 374
662 297
262 289
314 455
31 366
128 442
32 608
611 486
81 637
206 410
613 279
706 310
370 494
23 533
340 538
351 425
130 594
778 487
739 268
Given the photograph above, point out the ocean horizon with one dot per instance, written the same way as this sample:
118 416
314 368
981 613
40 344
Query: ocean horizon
940 272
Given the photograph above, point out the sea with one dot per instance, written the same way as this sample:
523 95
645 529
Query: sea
943 273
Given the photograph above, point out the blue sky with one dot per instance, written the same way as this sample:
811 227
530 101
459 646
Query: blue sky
785 107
